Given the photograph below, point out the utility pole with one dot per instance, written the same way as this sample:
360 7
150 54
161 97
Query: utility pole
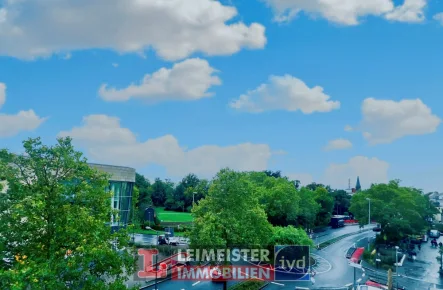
396 265
355 278
369 211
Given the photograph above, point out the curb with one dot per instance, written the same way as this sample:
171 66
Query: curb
339 238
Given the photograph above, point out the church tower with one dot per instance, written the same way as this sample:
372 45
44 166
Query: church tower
358 186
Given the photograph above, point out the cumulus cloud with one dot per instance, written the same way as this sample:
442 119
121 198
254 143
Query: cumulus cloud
411 11
11 125
304 178
439 17
175 29
370 170
348 12
105 140
187 80
2 94
338 144
385 120
285 93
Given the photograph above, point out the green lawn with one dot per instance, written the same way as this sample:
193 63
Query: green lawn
173 216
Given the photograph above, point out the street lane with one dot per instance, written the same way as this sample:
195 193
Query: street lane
339 273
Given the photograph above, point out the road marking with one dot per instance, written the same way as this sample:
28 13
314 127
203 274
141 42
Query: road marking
359 280
350 284
363 275
279 284
196 283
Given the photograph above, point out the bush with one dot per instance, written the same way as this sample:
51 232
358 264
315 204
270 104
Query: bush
249 285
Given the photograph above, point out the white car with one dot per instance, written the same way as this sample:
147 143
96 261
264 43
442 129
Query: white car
434 234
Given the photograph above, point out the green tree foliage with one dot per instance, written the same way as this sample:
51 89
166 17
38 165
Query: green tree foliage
57 205
326 202
230 214
401 211
160 191
309 208
290 236
181 197
342 202
144 198
278 196
313 186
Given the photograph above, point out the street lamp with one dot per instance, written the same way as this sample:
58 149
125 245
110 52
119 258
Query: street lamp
193 194
396 265
369 211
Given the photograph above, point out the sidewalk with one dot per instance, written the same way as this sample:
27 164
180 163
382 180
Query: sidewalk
421 274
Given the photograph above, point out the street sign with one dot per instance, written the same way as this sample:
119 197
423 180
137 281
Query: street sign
150 214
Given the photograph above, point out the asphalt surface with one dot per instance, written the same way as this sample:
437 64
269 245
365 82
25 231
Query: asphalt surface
331 266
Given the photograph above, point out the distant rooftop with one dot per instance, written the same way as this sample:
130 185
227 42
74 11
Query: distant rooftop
118 173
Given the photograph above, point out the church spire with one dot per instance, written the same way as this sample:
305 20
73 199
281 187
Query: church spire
358 186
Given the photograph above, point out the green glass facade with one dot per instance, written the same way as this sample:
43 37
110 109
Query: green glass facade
120 202
121 184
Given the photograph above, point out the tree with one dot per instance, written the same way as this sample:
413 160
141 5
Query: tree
342 201
276 174
57 205
290 236
230 214
309 208
401 211
144 188
326 202
278 196
160 191
313 186
181 198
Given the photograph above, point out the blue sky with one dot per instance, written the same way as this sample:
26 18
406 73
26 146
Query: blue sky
379 65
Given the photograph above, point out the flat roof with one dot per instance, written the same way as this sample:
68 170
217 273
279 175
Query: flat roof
118 173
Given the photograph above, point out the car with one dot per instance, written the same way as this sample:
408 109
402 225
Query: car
376 229
350 252
434 234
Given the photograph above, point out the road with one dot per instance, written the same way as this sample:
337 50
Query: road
323 265
332 266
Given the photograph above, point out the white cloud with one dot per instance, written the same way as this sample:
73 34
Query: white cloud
385 120
338 144
370 170
439 17
411 11
348 12
175 29
348 128
187 80
304 178
115 64
106 141
285 93
2 94
11 125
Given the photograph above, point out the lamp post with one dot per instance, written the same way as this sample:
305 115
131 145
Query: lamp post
369 211
193 194
396 266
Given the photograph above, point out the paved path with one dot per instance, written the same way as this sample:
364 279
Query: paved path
421 274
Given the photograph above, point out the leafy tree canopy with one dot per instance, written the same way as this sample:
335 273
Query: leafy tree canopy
400 210
53 222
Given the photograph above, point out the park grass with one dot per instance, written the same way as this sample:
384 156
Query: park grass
173 216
